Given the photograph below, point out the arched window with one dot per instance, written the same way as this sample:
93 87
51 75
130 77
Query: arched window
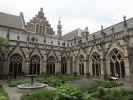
37 28
15 66
117 67
51 65
34 65
96 66
63 65
81 65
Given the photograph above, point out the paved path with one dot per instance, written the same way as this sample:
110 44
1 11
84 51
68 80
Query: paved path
12 93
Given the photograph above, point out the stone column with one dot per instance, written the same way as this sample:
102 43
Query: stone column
85 67
127 69
103 65
26 66
68 66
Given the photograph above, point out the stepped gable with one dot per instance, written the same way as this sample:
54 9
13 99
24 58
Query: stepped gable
40 25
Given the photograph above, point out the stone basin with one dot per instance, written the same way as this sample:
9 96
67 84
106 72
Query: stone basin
27 87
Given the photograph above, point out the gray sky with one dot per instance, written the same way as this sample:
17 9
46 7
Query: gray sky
73 13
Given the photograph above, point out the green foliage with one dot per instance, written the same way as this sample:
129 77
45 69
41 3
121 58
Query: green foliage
3 95
3 41
108 84
112 94
40 95
63 92
56 81
69 92
14 83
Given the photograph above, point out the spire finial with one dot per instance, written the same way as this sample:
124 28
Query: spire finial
41 13
125 21
59 28
101 27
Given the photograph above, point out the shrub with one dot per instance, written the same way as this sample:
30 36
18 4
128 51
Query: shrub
3 95
14 83
69 92
40 95
101 91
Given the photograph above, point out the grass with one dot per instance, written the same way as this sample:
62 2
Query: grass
15 82
3 95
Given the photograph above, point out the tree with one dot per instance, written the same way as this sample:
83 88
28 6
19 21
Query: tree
3 44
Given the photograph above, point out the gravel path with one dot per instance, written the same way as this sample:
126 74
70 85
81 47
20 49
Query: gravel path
12 93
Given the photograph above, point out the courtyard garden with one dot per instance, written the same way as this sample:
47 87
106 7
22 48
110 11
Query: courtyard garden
70 87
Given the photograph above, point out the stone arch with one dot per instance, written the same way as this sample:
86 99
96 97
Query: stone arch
51 60
15 64
63 65
93 50
34 65
53 53
116 63
96 64
118 48
35 52
16 50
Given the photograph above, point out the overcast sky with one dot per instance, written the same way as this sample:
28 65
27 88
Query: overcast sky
73 13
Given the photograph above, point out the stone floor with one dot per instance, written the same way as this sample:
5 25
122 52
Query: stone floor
13 94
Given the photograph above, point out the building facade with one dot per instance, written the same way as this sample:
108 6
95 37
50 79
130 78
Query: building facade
34 48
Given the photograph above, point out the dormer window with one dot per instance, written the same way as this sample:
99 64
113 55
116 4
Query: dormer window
68 44
63 44
41 29
58 42
37 28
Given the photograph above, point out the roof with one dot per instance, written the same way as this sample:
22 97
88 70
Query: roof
71 35
9 20
119 27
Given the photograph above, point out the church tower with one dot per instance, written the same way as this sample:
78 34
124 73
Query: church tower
59 29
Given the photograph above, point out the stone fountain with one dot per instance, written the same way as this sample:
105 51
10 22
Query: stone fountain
28 87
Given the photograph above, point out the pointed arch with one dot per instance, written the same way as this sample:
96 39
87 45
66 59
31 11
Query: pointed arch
51 65
63 65
117 66
15 65
96 64
34 65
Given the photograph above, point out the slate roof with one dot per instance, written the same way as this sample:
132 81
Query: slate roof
9 20
72 34
119 27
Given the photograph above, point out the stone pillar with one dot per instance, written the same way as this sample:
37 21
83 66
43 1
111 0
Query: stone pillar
103 65
44 64
6 66
57 67
90 68
68 66
44 67
41 66
127 69
85 67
